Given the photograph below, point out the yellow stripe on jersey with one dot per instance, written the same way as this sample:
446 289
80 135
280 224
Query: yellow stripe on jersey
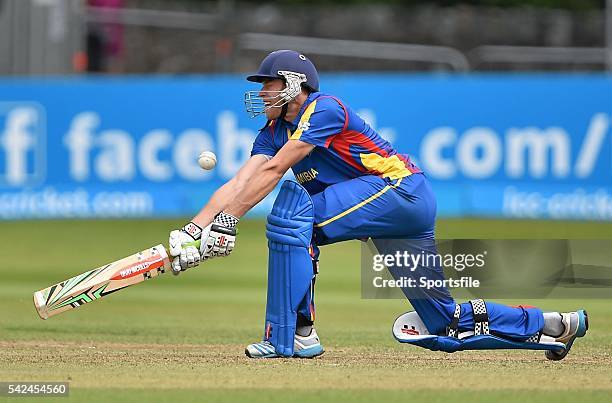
359 205
389 167
304 121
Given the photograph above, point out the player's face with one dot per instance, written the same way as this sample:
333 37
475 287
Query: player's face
271 98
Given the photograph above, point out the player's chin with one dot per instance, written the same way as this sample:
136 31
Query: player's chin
272 113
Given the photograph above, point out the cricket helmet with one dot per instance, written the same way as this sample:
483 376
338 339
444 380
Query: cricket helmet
288 65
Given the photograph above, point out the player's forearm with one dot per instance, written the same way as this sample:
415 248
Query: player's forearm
255 190
229 191
217 203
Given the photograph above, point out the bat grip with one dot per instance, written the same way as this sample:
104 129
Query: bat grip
194 243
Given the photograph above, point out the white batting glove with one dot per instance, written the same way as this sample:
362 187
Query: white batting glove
186 255
221 237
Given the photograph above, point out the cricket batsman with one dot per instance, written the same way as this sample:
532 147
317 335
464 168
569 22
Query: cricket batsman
350 184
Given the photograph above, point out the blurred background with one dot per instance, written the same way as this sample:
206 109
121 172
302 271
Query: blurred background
105 104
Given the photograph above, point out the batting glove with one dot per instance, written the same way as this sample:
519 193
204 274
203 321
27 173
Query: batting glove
221 237
186 255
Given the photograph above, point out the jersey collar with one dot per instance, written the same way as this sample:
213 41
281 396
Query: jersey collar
308 101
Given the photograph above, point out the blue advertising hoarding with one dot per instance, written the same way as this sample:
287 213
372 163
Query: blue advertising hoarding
535 146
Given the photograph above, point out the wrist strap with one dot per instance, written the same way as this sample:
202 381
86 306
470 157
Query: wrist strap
226 220
193 229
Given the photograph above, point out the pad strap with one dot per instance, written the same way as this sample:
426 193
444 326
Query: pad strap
534 338
453 327
481 317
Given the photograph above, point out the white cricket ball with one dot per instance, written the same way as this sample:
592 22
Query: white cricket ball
207 160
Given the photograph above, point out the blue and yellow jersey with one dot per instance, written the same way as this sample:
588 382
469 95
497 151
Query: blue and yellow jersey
346 146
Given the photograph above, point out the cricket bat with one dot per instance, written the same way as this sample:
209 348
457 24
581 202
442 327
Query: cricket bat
104 280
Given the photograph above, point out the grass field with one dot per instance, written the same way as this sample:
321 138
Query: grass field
182 338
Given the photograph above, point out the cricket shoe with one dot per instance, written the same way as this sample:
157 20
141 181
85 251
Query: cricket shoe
303 347
576 325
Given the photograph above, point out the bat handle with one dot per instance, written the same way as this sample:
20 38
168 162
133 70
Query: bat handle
194 243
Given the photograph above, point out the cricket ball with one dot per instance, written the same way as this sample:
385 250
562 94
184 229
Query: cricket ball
207 160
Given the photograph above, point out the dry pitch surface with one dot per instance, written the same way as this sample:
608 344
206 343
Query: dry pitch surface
221 372
182 339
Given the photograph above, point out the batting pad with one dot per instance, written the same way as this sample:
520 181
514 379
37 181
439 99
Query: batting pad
289 233
409 328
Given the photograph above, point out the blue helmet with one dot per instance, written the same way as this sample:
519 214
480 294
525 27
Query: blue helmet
290 61
288 65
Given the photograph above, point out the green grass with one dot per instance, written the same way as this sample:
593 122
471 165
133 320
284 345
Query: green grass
182 338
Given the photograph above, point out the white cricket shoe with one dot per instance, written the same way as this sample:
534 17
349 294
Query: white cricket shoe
303 347
576 325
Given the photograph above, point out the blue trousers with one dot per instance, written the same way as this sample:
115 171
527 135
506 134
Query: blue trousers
382 209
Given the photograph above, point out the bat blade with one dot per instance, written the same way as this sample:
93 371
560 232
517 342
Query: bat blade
104 280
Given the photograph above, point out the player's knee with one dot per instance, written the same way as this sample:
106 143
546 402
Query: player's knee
291 220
